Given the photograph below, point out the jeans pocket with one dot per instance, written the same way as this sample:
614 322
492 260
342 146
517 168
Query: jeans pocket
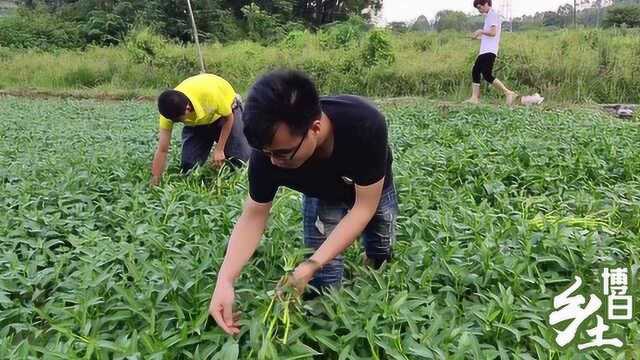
329 215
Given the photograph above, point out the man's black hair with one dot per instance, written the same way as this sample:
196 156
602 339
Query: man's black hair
172 104
283 96
477 3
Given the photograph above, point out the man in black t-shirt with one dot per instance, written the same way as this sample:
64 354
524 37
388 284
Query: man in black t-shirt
334 150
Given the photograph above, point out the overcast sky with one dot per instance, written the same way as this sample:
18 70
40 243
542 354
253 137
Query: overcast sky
404 10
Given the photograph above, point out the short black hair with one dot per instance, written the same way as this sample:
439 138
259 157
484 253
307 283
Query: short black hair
477 3
282 96
172 104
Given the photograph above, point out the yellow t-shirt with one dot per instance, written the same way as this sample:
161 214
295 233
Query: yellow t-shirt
212 97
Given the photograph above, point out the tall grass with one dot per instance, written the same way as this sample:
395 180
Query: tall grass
575 66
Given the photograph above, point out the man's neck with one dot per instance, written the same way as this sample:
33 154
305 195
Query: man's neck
325 147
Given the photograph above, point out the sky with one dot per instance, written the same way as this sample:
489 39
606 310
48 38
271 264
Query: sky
406 10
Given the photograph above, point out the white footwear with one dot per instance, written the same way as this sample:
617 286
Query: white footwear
510 95
475 94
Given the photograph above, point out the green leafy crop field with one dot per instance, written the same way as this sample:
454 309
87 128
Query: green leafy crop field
499 210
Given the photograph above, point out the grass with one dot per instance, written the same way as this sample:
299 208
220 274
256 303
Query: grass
499 210
564 66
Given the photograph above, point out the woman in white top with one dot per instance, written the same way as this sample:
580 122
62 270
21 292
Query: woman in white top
489 38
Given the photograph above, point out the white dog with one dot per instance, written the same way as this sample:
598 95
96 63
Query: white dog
534 99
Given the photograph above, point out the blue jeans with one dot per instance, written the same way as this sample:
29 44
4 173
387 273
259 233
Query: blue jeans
321 217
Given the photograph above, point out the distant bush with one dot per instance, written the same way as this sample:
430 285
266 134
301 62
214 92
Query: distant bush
146 47
38 29
378 50
343 34
623 16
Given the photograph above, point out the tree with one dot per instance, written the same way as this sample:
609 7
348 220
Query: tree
421 24
106 21
312 12
623 15
451 20
398 26
566 15
475 22
319 12
260 24
552 18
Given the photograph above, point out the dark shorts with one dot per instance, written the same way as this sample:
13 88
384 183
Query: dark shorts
484 66
320 218
197 142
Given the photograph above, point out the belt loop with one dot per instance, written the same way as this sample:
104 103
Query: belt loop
237 102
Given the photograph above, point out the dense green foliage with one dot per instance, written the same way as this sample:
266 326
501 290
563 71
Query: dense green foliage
575 66
101 22
54 24
499 210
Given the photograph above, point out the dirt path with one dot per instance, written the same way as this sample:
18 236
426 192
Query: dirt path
76 94
395 101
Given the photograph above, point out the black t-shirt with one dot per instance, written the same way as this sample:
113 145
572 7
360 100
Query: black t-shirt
361 155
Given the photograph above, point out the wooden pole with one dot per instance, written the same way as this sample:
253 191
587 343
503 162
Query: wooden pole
195 37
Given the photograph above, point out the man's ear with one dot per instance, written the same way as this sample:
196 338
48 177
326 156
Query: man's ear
316 125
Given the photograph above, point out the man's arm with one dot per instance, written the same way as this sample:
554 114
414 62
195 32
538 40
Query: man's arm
344 234
352 225
218 152
243 242
493 31
244 239
160 158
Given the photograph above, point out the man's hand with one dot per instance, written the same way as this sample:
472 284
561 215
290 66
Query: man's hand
154 181
221 308
301 276
218 157
221 143
160 157
477 34
244 240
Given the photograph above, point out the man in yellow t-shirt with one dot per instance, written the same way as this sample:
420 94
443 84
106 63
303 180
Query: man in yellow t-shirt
210 111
